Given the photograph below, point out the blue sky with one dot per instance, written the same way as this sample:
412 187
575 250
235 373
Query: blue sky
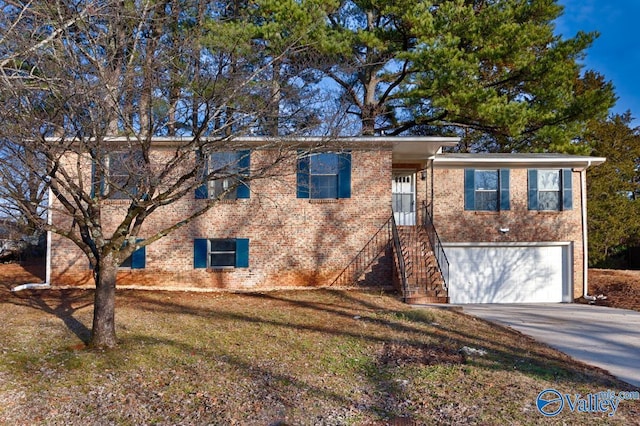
616 53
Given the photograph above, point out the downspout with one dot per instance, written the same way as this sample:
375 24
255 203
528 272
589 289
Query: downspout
585 254
47 282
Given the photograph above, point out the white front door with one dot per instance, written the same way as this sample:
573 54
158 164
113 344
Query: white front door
403 192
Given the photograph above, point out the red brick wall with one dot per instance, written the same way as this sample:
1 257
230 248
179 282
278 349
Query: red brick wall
454 224
293 242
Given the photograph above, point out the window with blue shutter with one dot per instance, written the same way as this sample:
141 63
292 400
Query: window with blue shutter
242 252
200 252
486 190
505 199
302 176
469 189
550 189
532 180
94 181
220 253
325 175
233 168
201 191
120 175
344 175
137 260
567 189
244 164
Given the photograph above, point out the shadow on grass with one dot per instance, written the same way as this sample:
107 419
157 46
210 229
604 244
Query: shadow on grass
406 328
397 335
270 384
63 304
347 314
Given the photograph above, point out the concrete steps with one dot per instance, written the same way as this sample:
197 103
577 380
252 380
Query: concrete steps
425 283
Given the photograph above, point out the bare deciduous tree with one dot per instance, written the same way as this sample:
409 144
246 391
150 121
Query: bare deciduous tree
88 86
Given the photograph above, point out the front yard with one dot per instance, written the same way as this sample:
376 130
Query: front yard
299 357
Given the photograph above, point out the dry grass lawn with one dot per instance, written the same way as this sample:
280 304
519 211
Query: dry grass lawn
622 288
295 358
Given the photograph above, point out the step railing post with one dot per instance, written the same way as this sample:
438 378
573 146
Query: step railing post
436 244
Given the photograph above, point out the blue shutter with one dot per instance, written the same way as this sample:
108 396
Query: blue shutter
93 180
200 250
469 189
504 190
533 189
242 252
303 176
138 257
244 163
567 189
344 175
201 191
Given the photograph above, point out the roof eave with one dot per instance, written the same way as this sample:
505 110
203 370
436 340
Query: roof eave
574 162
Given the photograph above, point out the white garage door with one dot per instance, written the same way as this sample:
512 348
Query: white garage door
522 273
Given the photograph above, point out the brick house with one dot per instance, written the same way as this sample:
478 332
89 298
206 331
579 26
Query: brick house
368 212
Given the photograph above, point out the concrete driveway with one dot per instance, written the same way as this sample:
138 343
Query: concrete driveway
605 337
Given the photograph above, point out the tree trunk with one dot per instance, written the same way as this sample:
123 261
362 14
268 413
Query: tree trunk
368 120
273 110
103 333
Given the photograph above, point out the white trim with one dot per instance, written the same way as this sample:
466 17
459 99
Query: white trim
585 245
47 282
550 161
290 140
508 244
49 222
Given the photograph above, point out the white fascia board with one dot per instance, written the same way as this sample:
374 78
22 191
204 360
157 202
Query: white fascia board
506 244
418 146
516 161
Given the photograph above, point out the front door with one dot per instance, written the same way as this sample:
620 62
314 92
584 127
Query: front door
403 192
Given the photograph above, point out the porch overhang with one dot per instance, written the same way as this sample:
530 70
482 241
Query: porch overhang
419 149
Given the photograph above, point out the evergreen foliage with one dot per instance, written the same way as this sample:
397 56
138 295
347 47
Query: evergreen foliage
613 188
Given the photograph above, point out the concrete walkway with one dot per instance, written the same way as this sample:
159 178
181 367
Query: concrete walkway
605 337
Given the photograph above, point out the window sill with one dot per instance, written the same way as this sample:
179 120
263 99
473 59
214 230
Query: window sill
324 200
485 212
221 269
548 212
225 201
116 201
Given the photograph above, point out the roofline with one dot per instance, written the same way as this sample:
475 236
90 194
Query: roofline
408 148
444 140
522 161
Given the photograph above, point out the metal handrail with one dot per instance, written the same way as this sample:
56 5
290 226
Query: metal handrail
436 244
365 257
395 237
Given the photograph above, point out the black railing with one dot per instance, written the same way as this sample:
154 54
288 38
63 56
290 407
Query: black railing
366 256
436 244
398 258
410 257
